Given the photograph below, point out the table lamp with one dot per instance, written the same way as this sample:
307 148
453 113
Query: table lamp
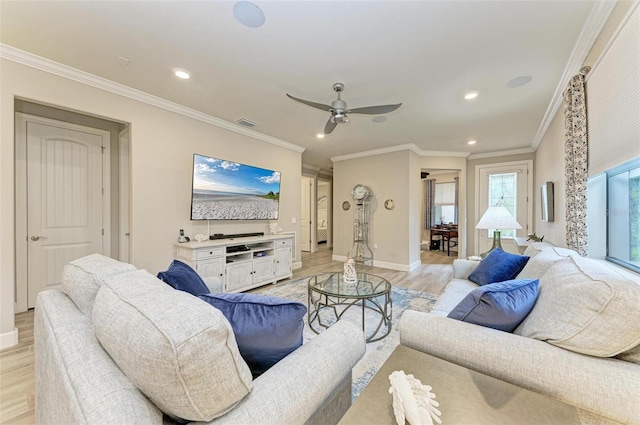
496 218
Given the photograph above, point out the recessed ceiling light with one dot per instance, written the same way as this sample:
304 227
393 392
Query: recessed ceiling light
471 95
320 136
379 119
471 142
181 73
248 14
519 81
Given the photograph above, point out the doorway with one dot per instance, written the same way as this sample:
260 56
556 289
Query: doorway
67 194
306 211
508 184
323 213
441 210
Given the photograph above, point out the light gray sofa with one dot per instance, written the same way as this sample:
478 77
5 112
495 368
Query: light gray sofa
603 385
161 338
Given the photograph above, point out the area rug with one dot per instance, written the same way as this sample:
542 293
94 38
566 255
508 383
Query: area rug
377 352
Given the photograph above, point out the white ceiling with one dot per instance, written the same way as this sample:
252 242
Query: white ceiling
425 54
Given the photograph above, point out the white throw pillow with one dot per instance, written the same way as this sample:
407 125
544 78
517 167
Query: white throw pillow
585 307
82 278
175 348
535 248
542 261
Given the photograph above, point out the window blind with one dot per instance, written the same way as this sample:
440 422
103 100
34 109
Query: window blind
613 101
445 194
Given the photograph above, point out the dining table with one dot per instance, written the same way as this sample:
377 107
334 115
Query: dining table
446 232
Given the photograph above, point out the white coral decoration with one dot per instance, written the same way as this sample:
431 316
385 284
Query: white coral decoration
412 400
350 275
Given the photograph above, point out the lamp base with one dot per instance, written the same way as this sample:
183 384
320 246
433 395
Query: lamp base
496 243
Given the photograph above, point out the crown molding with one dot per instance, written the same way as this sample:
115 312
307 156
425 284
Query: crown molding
445 153
408 146
56 68
326 174
590 32
381 151
501 153
310 170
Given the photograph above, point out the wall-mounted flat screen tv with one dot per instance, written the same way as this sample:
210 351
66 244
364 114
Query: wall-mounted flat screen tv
226 190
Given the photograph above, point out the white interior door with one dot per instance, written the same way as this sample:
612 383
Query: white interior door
510 185
124 232
64 168
305 215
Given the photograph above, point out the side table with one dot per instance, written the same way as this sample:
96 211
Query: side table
465 396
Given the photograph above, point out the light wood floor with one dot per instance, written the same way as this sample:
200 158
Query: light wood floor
17 387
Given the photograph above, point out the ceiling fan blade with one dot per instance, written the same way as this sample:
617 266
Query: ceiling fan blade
330 126
375 110
310 103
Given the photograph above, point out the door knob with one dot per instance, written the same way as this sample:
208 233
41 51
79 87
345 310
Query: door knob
37 238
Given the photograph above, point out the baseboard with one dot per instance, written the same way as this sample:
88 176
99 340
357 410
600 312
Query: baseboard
297 265
9 339
383 264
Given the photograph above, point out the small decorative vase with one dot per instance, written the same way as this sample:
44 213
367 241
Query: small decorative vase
350 275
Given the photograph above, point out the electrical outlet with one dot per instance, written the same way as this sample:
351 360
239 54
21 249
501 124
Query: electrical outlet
293 220
375 246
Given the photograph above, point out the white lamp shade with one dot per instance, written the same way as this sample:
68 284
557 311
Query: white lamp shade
497 218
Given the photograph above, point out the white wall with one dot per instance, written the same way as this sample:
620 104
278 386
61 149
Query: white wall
393 176
549 167
387 175
162 148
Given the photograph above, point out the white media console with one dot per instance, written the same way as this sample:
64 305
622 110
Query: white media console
239 264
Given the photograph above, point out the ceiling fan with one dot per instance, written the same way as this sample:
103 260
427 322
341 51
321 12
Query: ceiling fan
339 111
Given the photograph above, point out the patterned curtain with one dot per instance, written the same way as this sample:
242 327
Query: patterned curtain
455 208
429 199
575 171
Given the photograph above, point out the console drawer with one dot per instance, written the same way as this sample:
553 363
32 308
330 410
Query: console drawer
283 242
201 254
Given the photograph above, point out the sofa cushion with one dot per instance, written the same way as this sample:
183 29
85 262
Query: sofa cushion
501 305
82 278
585 307
175 348
542 261
454 292
498 266
182 277
462 268
266 328
536 247
632 355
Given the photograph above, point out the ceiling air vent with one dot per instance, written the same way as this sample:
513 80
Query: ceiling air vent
246 123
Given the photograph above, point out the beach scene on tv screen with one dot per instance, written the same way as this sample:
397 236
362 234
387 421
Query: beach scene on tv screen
225 190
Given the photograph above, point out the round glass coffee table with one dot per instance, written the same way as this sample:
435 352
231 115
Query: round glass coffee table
327 291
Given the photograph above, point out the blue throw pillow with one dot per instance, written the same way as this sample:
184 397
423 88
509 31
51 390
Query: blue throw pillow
501 305
182 277
498 266
267 328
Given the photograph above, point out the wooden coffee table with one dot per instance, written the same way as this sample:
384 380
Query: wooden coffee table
465 396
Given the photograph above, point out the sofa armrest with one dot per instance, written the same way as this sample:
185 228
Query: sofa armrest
604 386
462 268
296 387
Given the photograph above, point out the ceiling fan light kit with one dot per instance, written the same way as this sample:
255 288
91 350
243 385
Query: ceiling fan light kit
339 110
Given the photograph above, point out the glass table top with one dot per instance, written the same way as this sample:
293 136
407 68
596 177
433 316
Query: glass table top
367 286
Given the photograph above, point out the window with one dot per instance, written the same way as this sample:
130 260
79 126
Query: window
623 215
503 190
444 204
